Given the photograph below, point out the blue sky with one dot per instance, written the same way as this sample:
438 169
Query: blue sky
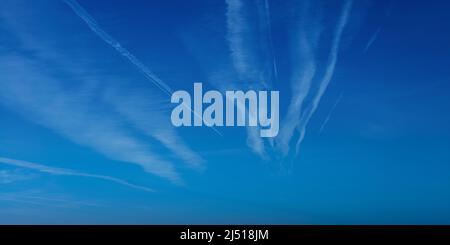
86 137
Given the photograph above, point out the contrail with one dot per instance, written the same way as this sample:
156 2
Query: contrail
372 39
237 26
269 35
328 72
90 21
68 172
331 112
243 59
93 25
299 94
302 78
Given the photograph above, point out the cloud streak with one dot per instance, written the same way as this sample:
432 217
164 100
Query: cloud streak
268 27
165 88
237 27
42 198
251 49
299 113
12 176
325 122
71 113
301 85
87 18
68 172
41 98
135 107
372 40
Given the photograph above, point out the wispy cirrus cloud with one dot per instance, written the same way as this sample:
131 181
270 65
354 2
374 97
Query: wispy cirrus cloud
38 198
250 42
300 113
237 28
68 172
253 59
329 71
372 40
301 85
267 28
135 107
42 99
327 119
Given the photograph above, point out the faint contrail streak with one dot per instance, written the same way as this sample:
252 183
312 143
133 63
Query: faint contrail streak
269 35
68 172
331 112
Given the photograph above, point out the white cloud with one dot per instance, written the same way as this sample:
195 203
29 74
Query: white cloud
372 40
43 98
329 71
252 54
299 113
165 134
12 176
325 122
137 105
87 18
